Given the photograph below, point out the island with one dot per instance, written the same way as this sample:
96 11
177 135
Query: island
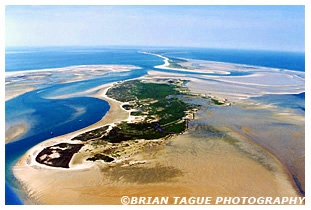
157 111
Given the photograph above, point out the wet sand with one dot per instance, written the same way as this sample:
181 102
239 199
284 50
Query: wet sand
276 130
187 165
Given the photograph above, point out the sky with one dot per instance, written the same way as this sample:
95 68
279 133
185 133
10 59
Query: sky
280 28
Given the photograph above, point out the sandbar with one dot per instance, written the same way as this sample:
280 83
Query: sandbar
15 132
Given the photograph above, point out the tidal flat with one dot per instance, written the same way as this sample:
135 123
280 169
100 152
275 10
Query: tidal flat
203 161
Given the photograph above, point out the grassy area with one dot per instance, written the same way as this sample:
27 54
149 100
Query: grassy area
132 131
163 111
137 90
97 133
161 106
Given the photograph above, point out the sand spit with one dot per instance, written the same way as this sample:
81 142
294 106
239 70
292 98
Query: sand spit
188 64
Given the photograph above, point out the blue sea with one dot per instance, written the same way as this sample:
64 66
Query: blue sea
272 59
17 59
59 116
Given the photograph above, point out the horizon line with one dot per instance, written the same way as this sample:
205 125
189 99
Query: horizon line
153 46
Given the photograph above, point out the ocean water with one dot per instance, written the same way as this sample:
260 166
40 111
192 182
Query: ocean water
272 59
18 59
39 108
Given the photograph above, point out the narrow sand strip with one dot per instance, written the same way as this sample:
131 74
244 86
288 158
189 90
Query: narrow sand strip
15 132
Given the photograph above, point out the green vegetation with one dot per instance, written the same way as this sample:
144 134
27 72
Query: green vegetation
172 110
137 90
160 107
132 131
161 110
97 133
